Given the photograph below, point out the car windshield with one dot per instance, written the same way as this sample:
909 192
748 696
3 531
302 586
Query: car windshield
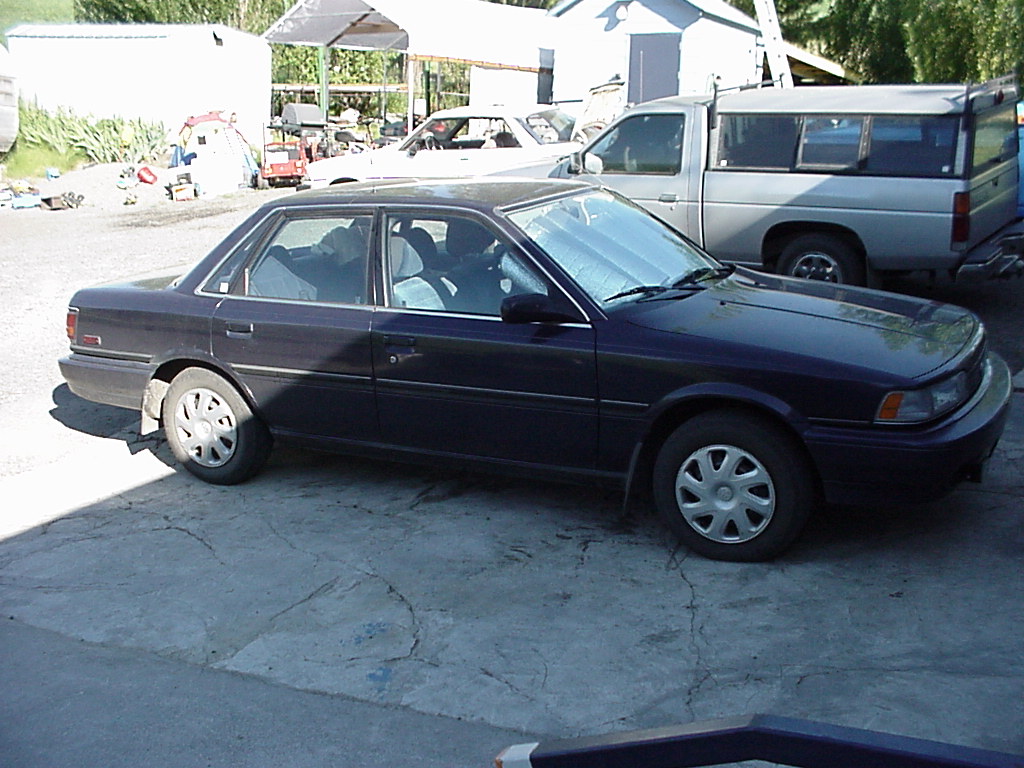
614 250
551 126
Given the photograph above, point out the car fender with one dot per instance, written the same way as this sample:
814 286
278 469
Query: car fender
663 416
166 366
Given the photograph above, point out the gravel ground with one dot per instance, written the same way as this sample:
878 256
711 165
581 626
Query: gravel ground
98 185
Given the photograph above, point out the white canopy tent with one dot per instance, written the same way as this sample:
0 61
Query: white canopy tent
472 31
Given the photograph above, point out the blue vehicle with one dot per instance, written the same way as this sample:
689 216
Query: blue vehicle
548 328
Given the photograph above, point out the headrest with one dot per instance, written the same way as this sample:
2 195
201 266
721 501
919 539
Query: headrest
405 262
465 237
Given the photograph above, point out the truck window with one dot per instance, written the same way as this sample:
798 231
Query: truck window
758 141
645 144
913 145
995 137
831 143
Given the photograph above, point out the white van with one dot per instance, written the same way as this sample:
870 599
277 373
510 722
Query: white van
837 183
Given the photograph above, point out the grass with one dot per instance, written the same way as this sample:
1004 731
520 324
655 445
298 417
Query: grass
26 162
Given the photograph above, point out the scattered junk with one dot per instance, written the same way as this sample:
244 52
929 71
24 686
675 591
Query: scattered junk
603 104
301 134
217 157
19 193
61 202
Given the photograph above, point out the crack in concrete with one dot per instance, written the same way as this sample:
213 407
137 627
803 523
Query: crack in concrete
321 590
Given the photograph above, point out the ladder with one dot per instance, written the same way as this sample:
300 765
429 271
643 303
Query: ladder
768 21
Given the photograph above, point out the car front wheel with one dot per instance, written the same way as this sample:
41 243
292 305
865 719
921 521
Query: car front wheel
733 487
211 429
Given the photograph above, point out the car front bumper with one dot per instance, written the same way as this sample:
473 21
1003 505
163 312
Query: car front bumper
872 466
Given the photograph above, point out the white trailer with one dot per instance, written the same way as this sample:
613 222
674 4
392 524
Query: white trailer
8 101
157 72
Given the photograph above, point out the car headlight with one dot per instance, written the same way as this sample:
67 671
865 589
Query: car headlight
918 405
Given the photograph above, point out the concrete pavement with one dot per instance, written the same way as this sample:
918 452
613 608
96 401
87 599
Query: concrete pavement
335 612
341 612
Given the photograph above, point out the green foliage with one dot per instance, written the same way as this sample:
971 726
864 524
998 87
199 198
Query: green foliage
14 12
895 41
104 140
247 15
26 161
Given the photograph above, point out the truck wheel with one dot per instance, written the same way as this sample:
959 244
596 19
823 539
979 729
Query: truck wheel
822 257
211 429
733 487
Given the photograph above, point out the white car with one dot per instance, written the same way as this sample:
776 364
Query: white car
464 141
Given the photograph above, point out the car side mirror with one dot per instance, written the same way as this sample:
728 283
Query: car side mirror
593 164
536 308
413 148
575 166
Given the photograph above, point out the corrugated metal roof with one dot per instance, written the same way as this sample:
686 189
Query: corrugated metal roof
718 9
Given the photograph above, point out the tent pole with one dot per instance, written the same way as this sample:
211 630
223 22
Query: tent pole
325 94
410 79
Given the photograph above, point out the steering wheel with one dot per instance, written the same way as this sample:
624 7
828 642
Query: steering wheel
430 141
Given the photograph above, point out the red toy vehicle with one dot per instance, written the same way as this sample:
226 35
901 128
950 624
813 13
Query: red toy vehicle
284 163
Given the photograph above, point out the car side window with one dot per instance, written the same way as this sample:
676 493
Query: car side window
320 259
645 144
453 264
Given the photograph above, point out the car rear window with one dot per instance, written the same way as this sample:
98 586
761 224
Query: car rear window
995 137
872 145
913 145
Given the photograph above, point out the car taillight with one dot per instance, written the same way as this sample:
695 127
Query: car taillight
72 325
961 217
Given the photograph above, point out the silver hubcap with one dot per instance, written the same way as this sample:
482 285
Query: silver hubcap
725 494
206 427
818 266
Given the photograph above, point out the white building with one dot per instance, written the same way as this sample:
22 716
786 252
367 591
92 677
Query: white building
665 48
8 101
158 72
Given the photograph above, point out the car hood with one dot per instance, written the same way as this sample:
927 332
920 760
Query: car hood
837 325
392 162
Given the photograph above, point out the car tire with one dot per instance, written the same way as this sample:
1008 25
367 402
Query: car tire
817 256
733 487
212 430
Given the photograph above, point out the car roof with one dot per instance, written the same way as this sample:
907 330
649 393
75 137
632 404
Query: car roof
493 110
840 99
477 193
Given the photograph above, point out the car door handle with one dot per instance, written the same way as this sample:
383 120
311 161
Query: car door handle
668 198
239 330
397 347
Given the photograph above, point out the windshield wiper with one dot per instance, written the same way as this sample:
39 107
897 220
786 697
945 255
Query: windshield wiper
704 273
689 280
644 289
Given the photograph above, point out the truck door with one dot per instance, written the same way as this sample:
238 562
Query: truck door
644 157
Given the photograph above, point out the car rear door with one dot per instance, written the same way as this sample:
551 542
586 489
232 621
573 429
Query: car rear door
452 377
295 326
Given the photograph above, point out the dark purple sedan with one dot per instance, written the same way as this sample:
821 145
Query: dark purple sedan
546 327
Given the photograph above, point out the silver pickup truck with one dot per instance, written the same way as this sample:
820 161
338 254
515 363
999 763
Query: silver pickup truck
837 183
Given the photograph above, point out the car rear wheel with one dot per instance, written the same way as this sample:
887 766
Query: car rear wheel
211 429
733 486
817 256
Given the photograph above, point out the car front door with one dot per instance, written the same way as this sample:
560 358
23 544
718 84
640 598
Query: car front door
452 377
294 326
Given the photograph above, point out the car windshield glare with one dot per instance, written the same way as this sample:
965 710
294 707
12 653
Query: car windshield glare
610 246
